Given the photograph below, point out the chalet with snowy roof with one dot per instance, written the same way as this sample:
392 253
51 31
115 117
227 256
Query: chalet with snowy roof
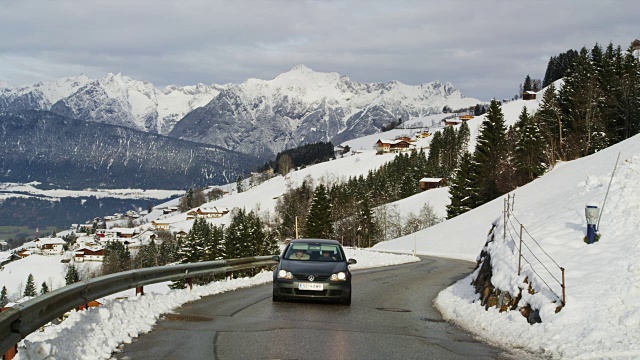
386 146
466 117
89 254
160 225
452 122
23 253
431 183
50 246
214 212
422 134
169 210
124 233
405 138
529 95
182 234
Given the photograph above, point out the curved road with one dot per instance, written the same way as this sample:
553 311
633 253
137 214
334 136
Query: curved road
391 317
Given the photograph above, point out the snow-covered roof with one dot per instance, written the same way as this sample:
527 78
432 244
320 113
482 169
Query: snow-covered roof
391 142
210 210
51 241
430 179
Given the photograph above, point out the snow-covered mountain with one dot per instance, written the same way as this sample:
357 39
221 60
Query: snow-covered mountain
40 96
302 106
113 99
256 117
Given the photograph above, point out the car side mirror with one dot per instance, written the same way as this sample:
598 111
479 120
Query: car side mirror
352 261
275 258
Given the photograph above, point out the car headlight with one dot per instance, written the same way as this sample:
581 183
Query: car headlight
284 274
341 276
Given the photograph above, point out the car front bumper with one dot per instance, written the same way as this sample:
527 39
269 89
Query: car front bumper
330 290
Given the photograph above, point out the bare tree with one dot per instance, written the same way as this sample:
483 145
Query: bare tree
285 164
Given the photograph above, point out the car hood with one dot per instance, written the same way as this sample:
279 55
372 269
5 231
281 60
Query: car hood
313 267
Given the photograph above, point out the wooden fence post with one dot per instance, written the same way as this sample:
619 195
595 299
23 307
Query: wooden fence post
520 250
564 296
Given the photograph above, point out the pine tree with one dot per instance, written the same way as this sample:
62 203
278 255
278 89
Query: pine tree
319 223
44 288
214 245
193 247
367 229
462 188
238 242
30 288
527 86
490 154
628 101
579 99
529 150
72 275
239 183
549 117
4 298
186 202
434 158
116 258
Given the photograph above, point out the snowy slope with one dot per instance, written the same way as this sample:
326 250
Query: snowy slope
602 316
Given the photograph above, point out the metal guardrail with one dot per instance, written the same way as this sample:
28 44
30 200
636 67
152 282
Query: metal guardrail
22 319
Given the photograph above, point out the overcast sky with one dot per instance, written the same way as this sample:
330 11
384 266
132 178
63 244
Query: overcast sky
484 48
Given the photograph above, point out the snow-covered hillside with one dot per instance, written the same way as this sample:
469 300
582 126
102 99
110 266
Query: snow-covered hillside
601 318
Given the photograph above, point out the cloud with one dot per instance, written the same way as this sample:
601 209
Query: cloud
484 48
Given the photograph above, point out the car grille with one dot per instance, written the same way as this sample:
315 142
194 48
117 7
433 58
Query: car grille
311 293
306 277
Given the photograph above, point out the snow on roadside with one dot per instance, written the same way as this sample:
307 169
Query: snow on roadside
95 333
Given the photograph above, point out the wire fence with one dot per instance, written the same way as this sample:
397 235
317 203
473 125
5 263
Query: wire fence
518 232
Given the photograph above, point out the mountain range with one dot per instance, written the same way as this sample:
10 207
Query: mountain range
256 117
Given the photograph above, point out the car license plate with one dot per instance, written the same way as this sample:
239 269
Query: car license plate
310 286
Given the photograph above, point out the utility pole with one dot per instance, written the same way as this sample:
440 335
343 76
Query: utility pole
296 227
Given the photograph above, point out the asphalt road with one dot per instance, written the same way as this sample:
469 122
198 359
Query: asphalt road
391 317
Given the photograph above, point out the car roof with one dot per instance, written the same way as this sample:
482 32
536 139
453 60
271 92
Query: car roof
317 241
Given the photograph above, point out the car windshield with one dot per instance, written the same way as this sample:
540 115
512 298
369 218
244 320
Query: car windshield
313 252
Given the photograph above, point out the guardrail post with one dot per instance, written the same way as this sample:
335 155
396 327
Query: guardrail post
11 353
140 290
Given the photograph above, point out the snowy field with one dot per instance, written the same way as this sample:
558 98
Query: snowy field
19 190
